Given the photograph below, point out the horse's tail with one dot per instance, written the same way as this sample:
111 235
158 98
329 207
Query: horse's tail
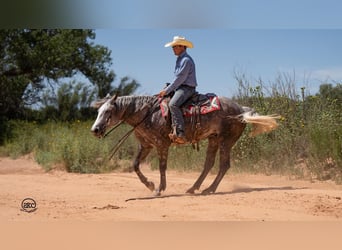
260 123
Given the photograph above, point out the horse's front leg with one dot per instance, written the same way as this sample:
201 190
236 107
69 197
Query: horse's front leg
163 154
143 152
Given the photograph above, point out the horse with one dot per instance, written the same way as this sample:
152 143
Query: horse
222 128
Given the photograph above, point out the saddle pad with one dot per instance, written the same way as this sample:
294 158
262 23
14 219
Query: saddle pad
211 105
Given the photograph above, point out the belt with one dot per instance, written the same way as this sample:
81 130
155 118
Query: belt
187 86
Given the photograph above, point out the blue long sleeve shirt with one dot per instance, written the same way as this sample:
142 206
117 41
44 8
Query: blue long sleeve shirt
185 73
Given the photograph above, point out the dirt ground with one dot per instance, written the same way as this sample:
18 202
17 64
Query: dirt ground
62 196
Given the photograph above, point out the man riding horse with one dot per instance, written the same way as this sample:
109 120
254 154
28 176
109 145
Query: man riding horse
183 85
221 128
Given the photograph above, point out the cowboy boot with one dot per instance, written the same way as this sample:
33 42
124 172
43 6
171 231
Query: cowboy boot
177 137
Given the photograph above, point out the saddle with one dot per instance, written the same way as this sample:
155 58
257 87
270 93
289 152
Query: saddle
194 107
198 104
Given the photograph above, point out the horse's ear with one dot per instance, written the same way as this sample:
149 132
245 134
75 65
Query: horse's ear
97 104
112 100
100 102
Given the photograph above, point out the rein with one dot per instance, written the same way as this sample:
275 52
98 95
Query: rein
125 136
112 129
122 140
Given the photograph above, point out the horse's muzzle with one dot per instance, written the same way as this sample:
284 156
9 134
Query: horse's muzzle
97 131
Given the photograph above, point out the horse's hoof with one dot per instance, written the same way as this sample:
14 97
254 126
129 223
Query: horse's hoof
207 191
150 186
190 191
156 193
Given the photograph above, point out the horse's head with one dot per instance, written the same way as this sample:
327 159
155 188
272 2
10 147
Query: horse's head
106 115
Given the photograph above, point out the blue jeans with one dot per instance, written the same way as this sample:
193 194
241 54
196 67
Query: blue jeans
182 94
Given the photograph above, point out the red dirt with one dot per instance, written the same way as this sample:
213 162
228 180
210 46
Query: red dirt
62 196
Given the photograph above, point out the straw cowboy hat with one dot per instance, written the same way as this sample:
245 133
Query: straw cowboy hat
179 40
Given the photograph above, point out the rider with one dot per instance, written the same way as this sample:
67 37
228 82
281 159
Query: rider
184 85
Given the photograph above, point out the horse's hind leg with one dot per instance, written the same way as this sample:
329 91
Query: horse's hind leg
223 169
209 163
225 146
142 154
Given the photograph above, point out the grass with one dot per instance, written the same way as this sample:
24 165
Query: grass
308 142
309 135
70 145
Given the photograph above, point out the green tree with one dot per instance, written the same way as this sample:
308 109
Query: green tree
68 103
127 86
31 58
330 93
27 57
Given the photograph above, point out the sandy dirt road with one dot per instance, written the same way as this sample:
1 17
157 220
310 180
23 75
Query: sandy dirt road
62 196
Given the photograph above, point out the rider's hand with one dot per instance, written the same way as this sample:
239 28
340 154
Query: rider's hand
162 93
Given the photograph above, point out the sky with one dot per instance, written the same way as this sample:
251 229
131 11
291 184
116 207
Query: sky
259 38
310 56
205 14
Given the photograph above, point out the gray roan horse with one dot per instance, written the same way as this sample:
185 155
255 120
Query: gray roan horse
222 128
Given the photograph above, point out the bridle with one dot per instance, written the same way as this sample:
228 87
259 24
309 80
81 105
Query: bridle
151 106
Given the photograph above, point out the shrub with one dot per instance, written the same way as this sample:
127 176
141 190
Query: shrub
68 144
310 130
307 143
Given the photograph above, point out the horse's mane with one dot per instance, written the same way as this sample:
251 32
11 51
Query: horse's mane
135 102
125 101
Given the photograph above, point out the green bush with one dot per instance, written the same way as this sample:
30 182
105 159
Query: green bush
70 145
307 143
309 131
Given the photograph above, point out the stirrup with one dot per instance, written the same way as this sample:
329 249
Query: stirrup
175 138
178 140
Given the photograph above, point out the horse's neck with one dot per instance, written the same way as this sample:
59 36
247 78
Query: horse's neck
133 108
